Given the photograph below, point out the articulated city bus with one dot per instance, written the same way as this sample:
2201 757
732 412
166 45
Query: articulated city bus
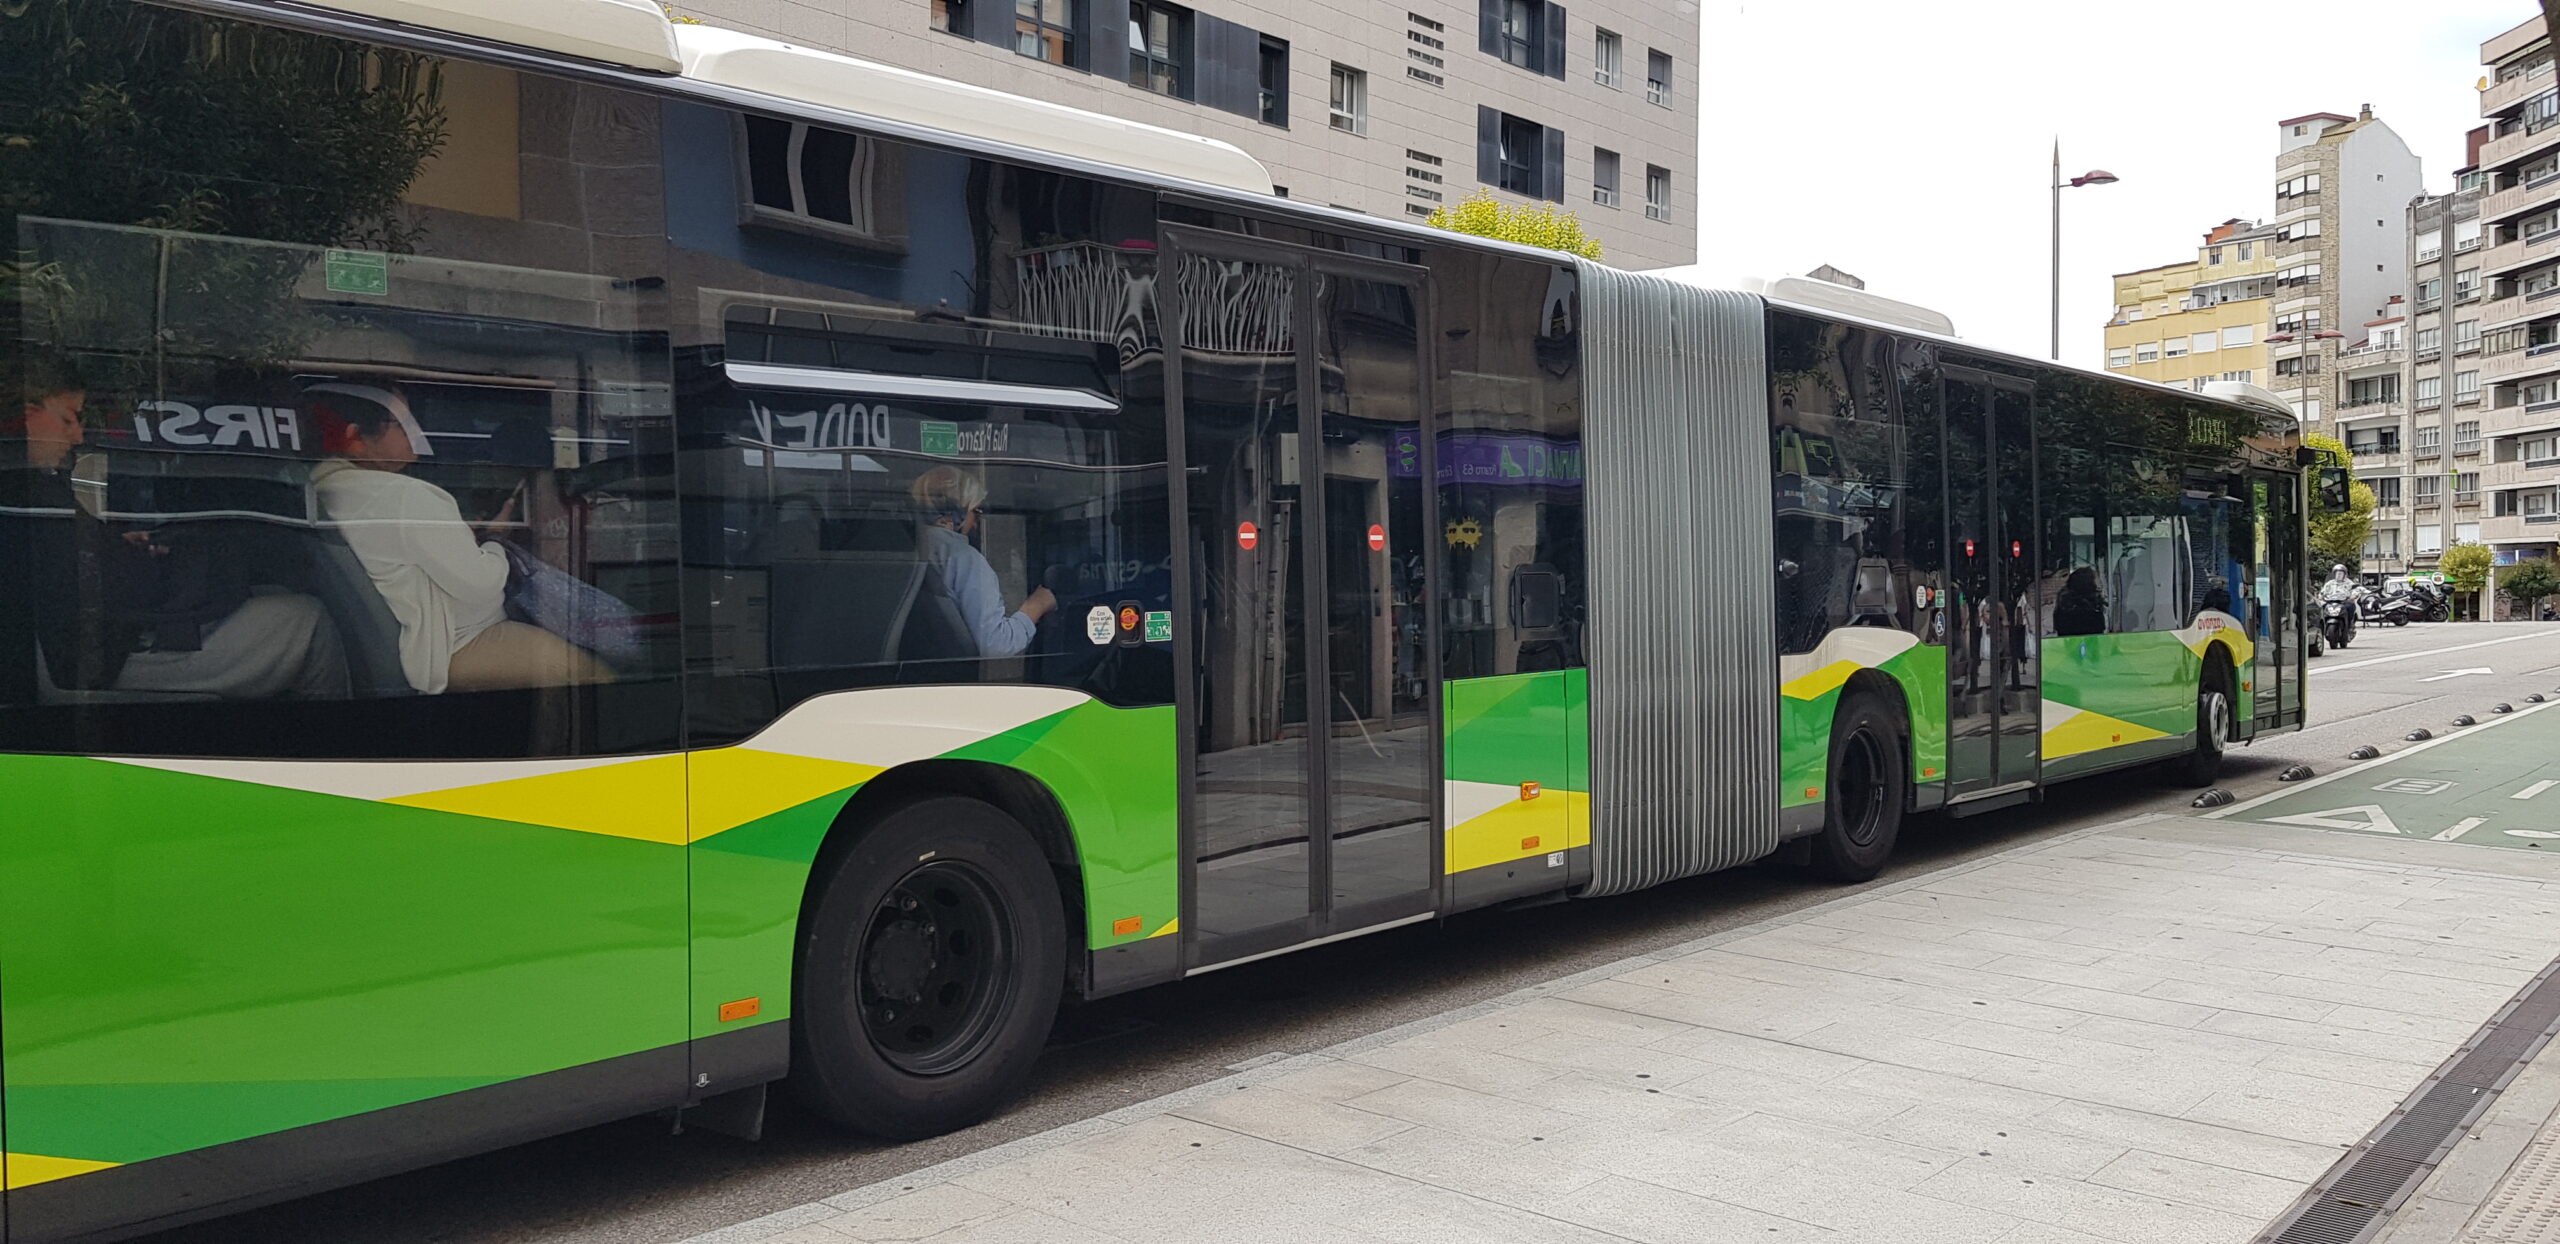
560 566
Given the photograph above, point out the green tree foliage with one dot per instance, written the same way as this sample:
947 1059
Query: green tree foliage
2339 538
167 122
2528 583
2466 570
1540 225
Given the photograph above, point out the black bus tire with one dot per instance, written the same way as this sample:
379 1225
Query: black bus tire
2214 714
929 973
1863 791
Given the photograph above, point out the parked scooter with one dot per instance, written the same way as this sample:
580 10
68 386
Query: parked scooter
2434 604
2394 605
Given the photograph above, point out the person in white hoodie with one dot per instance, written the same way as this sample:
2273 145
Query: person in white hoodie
445 585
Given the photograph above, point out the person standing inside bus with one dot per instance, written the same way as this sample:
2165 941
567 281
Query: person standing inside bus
948 504
130 610
445 585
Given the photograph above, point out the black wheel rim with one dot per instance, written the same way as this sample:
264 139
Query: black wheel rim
1859 789
935 969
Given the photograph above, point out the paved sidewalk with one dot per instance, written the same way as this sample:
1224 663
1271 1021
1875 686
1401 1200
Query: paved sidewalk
2162 1030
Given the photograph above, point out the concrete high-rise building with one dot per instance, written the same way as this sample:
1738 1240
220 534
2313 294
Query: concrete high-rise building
2198 320
2343 186
2501 482
2435 345
1388 110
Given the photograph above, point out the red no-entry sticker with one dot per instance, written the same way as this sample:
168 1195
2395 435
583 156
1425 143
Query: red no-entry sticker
1377 536
1247 536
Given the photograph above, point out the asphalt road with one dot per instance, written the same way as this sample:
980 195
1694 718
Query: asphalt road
635 1183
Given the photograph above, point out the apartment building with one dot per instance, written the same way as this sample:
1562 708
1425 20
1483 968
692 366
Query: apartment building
1391 110
2343 186
2198 320
2437 353
2504 454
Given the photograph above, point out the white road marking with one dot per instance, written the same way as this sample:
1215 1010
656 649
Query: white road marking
2533 790
2461 827
2367 816
2429 652
2530 833
2351 770
2481 669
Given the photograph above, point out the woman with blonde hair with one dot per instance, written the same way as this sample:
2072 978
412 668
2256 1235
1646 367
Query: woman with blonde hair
949 502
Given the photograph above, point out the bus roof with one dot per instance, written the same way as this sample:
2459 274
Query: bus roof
637 34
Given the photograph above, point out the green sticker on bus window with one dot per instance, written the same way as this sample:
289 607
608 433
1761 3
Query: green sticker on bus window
1159 626
940 438
357 272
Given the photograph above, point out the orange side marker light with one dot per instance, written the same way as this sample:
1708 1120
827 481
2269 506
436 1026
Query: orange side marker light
1529 843
743 1008
1529 790
1813 792
1125 925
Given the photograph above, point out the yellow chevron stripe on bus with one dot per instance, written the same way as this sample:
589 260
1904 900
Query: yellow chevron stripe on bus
1495 837
26 1170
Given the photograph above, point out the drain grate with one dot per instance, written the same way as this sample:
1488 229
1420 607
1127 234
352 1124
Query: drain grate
2350 1202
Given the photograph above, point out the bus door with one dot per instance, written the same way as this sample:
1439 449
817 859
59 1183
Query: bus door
1994 636
1310 729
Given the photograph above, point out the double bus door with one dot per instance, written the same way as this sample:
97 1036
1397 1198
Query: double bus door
1310 707
1995 700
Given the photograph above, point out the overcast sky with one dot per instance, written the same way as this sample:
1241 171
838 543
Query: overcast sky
1911 144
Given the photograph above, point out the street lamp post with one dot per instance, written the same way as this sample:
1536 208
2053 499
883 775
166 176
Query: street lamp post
2094 177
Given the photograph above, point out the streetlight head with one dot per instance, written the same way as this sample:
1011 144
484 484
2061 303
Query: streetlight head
2095 177
2279 337
2328 334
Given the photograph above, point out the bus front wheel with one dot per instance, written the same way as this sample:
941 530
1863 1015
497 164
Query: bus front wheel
930 972
1862 805
2203 762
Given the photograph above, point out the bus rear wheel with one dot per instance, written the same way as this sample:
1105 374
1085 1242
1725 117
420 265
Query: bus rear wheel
1862 804
929 973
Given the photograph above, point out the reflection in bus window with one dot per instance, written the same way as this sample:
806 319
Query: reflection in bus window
372 465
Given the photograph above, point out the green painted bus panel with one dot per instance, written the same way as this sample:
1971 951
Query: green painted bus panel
192 960
1513 728
1116 773
1113 771
1804 726
2147 678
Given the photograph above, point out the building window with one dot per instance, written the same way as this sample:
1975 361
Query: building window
1657 192
2466 488
2539 450
2466 335
1527 33
1350 100
1271 98
2213 257
2299 187
2386 490
2204 342
1160 48
2245 376
1523 143
1045 30
1608 58
2429 441
2466 386
2466 437
951 16
2238 335
2466 533
2430 490
1604 177
1657 77
2430 392
2147 352
2383 545
2430 538
2429 341
1519 32
2120 356
2245 248
2174 348
2466 283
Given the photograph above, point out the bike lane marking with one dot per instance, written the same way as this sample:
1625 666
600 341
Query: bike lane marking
2467 795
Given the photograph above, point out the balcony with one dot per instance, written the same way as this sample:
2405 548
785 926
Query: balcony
2530 141
2516 256
2512 309
2504 96
2372 358
2352 410
2516 365
2514 201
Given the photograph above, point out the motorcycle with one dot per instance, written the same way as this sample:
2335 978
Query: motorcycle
2337 616
2433 604
2396 606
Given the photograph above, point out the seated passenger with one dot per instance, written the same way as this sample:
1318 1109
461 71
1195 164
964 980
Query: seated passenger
948 503
2081 609
445 585
160 615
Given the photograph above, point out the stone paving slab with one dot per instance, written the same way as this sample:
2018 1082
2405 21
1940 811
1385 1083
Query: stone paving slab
2162 1030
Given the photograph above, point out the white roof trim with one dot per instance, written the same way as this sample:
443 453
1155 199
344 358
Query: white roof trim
632 33
748 63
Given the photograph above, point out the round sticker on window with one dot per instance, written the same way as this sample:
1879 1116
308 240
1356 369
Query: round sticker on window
1247 536
1097 624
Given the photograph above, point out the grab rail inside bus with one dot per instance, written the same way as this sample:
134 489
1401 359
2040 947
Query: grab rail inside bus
917 388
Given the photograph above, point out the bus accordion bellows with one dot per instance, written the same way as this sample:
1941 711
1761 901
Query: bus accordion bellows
560 565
